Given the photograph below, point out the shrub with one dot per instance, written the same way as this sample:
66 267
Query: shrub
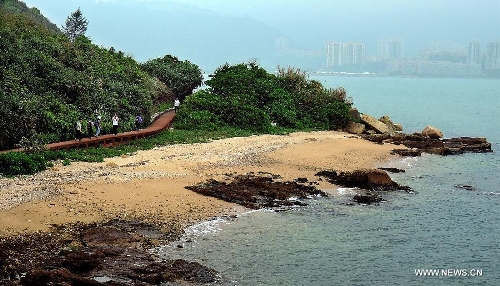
19 163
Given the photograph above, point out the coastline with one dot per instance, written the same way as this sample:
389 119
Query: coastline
150 185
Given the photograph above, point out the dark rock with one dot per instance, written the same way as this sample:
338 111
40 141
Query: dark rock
258 192
368 179
55 277
367 198
466 187
407 152
392 170
419 143
193 272
301 180
116 250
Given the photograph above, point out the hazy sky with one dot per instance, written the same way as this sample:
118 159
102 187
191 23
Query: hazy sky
309 23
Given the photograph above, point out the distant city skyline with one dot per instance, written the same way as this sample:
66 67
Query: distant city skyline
212 32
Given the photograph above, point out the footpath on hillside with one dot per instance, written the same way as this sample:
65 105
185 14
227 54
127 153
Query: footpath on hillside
160 123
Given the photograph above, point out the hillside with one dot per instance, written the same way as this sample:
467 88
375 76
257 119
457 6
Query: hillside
17 7
48 82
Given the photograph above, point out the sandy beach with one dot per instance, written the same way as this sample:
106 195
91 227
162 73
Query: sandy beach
150 185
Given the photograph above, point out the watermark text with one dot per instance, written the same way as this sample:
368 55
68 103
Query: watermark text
449 272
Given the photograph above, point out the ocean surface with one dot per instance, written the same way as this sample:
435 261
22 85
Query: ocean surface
442 235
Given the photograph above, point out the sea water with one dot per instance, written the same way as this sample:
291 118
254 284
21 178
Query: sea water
441 235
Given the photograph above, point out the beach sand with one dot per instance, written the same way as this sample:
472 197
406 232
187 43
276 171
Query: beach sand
149 185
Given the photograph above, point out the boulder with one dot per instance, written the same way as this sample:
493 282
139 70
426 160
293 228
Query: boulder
375 124
398 127
367 179
367 198
432 132
354 114
355 128
393 127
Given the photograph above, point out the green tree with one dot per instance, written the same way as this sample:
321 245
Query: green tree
76 25
47 82
181 76
246 96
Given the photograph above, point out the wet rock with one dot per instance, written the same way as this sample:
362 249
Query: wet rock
407 152
258 192
392 170
368 179
113 253
419 143
367 198
466 187
301 180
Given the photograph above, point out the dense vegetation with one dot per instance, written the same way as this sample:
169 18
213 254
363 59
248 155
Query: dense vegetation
181 76
248 97
47 82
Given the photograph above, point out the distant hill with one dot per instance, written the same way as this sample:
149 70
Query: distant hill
200 36
19 7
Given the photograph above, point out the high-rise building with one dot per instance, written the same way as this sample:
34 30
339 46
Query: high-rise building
492 56
474 55
390 48
334 54
354 53
339 54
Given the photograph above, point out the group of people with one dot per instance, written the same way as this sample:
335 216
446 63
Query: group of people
97 125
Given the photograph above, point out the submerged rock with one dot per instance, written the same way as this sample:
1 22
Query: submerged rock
392 170
367 198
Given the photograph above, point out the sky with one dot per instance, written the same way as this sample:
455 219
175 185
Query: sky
191 29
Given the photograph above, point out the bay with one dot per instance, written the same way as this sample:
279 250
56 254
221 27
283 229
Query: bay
441 228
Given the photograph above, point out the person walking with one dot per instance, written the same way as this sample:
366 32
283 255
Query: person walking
78 130
177 103
138 122
116 119
97 125
90 128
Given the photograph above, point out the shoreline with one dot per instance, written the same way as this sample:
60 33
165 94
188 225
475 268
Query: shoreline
150 185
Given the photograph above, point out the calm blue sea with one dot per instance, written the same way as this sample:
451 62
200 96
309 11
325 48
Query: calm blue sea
451 233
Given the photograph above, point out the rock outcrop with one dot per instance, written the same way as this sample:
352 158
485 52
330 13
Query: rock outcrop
367 179
432 132
419 143
368 124
355 128
371 183
114 253
257 191
374 124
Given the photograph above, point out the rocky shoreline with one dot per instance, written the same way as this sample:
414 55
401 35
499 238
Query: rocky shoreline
115 248
117 252
430 140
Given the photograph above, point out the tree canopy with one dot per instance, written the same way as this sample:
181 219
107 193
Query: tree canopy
181 76
248 97
76 25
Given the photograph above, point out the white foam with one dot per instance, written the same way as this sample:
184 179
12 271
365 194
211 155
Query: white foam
346 191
